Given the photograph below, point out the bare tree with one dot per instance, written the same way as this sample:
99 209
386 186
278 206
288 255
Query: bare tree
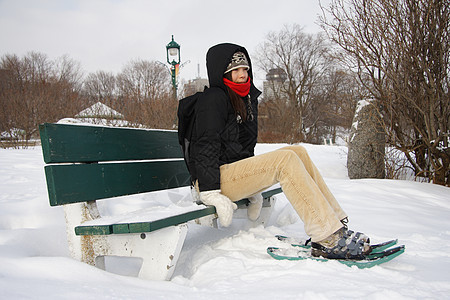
303 58
334 103
400 50
101 87
142 79
68 70
145 94
36 90
274 120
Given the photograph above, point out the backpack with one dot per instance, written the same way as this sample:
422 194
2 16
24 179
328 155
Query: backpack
186 123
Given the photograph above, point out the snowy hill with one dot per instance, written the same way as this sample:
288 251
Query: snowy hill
230 263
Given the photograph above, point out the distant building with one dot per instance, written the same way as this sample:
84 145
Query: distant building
100 111
275 85
99 114
277 75
195 85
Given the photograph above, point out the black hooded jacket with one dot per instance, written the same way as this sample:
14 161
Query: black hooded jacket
218 137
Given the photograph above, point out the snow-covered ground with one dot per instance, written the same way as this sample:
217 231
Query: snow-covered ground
230 263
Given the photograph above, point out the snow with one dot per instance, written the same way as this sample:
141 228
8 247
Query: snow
97 110
361 104
229 263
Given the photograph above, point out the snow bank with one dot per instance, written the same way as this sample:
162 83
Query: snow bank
229 262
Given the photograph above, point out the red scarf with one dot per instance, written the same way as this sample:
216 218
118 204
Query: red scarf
242 89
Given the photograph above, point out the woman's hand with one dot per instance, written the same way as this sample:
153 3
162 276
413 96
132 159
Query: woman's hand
224 206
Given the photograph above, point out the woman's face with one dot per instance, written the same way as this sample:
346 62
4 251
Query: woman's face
239 75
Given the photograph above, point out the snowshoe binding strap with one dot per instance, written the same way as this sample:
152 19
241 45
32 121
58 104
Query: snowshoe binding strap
351 245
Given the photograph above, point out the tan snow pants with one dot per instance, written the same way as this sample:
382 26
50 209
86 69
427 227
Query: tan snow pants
300 181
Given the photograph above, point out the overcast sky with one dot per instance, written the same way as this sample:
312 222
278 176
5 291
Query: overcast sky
107 34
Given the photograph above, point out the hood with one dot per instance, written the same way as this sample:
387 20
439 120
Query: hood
217 60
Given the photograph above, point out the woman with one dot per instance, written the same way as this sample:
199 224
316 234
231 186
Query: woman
225 169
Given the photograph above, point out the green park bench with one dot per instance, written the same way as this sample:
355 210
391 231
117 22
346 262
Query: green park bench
85 164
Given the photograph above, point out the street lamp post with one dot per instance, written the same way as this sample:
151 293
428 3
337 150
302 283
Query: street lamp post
173 58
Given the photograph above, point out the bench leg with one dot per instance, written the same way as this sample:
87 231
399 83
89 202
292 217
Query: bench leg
159 250
76 214
266 211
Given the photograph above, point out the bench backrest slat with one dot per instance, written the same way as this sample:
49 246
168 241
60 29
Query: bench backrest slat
85 182
62 143
89 163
